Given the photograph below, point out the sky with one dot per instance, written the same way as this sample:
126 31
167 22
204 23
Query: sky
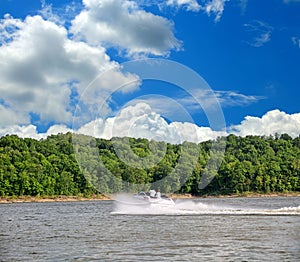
172 70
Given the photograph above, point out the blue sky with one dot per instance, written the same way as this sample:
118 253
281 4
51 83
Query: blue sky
248 52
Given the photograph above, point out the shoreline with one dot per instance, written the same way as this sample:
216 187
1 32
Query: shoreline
34 199
245 195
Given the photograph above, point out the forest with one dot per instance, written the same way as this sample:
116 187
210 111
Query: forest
77 165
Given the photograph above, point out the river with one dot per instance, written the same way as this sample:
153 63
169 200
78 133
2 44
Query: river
210 229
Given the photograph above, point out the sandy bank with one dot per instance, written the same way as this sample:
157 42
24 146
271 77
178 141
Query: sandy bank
28 199
248 194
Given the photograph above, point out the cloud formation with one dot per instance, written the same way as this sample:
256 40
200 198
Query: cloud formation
122 24
30 131
215 7
210 7
141 121
272 122
28 79
46 68
138 121
259 32
189 5
224 98
42 70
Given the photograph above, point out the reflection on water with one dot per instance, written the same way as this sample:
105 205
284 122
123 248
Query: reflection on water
204 229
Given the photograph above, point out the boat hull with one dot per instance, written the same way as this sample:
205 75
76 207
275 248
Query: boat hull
163 201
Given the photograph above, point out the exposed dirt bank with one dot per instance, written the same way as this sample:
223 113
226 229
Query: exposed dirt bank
28 199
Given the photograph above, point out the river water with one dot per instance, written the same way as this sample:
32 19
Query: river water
211 229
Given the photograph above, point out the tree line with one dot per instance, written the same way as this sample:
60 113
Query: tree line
69 164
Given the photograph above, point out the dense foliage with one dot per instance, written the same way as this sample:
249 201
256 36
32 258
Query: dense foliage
50 166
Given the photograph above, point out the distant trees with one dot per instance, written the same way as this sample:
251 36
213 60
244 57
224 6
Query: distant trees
51 166
258 164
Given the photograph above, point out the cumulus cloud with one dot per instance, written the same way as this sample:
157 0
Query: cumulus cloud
24 62
40 66
138 121
132 121
122 24
272 122
193 133
259 32
12 117
141 121
30 131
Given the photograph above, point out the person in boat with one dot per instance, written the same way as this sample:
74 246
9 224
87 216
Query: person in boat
152 193
158 194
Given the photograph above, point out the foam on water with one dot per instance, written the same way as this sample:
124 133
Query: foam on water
126 205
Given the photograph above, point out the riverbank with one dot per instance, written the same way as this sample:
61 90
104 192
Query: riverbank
251 195
29 199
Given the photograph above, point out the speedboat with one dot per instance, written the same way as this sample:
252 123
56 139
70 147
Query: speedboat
164 200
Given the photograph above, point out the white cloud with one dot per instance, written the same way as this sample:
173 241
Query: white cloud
231 98
208 99
48 14
210 7
12 117
140 121
189 5
30 77
122 24
8 28
39 67
193 133
272 122
182 106
30 131
61 15
132 121
215 7
26 131
171 109
260 33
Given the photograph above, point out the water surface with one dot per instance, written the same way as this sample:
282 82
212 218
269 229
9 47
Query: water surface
229 229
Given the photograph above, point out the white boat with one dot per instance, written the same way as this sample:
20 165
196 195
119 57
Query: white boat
164 200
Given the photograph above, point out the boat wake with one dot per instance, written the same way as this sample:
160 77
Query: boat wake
125 206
